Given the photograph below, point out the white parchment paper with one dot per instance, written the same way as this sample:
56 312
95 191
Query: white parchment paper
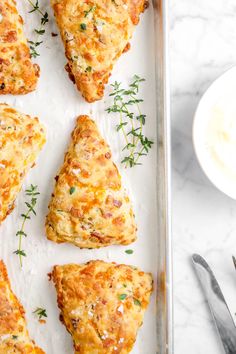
57 104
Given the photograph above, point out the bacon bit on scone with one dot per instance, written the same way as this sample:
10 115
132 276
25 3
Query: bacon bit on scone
107 155
75 212
117 203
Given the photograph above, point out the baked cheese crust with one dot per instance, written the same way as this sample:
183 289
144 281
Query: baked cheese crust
102 305
21 138
89 207
18 75
95 34
14 337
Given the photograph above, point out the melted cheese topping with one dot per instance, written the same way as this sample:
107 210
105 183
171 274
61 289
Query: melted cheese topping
95 34
18 75
102 305
21 138
89 207
14 337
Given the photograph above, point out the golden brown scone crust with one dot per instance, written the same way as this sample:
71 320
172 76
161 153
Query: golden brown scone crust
14 337
18 75
89 207
38 351
21 139
102 305
95 34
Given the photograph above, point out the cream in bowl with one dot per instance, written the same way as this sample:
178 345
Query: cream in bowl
214 133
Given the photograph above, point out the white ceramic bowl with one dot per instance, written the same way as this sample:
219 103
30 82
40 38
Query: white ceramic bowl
220 97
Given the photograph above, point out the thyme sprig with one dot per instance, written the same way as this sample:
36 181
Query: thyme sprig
131 121
33 193
40 30
40 312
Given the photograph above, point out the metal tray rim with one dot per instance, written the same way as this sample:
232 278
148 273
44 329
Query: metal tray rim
164 272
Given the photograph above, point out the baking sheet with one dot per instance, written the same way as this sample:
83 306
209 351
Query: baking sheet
57 103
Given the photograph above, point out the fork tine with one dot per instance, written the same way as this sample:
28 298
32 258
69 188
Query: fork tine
234 260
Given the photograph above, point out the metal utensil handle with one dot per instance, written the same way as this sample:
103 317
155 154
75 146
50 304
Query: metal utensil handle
218 306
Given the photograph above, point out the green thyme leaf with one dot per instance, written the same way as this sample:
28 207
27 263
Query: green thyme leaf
44 19
40 31
40 312
20 232
83 26
129 251
137 302
72 190
20 253
122 296
35 6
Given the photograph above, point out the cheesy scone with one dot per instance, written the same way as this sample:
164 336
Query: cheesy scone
102 305
18 75
14 337
21 139
95 33
89 207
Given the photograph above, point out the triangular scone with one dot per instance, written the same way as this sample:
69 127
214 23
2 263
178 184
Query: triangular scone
89 207
102 305
18 75
95 34
21 139
14 337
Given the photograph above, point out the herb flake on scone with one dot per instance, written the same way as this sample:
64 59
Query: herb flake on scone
102 305
14 336
95 34
21 139
18 75
89 206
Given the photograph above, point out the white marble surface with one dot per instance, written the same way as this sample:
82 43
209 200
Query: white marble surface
202 46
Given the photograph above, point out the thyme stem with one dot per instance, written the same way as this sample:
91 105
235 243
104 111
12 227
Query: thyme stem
32 191
20 238
35 6
139 110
